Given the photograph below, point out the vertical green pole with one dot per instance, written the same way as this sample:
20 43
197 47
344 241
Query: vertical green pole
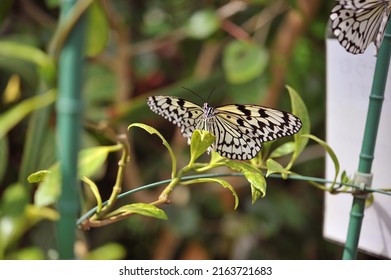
363 176
69 109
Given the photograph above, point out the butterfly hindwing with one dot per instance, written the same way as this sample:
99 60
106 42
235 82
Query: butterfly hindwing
232 142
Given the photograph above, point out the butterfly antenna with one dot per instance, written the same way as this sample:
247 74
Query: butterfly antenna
210 94
203 99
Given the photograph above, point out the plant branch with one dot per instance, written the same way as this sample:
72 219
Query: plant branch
117 188
85 223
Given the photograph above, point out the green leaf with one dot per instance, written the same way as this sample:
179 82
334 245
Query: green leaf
202 24
199 143
92 159
283 150
253 175
38 176
344 178
97 30
36 214
144 209
25 52
12 91
109 251
95 191
13 222
29 253
244 61
49 190
30 54
215 157
14 115
90 162
3 156
370 200
14 200
300 110
224 183
51 4
330 152
152 130
274 167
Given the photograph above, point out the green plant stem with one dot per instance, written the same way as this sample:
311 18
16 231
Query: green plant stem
166 192
84 222
174 182
96 220
117 188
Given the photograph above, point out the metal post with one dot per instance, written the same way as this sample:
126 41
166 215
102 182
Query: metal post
69 109
363 176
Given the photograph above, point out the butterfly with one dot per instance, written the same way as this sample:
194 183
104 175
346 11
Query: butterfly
240 130
357 23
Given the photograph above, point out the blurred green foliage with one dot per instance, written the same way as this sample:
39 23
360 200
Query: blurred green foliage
139 48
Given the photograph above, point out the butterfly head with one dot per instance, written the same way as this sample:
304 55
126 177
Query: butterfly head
208 111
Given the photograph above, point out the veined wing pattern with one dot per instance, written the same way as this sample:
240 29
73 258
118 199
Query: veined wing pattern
240 130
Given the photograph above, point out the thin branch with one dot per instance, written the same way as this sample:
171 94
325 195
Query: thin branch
37 14
85 223
175 36
293 26
235 31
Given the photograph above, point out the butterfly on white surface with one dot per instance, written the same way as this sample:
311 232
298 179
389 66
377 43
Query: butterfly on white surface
357 23
239 129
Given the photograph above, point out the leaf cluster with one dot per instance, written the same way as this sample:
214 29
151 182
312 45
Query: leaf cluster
194 172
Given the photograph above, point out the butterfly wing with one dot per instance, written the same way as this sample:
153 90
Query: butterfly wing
357 23
180 112
380 35
240 129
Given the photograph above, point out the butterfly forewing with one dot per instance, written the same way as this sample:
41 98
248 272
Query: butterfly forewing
239 129
265 123
180 112
357 23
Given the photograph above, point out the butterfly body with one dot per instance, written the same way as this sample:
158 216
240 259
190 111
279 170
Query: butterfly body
239 129
208 119
357 23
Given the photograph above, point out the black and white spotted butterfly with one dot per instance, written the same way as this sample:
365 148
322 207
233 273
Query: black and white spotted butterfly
239 129
357 23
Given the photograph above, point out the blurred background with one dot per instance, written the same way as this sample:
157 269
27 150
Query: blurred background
247 51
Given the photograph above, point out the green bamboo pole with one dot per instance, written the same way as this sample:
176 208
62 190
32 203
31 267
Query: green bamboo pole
69 109
363 176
